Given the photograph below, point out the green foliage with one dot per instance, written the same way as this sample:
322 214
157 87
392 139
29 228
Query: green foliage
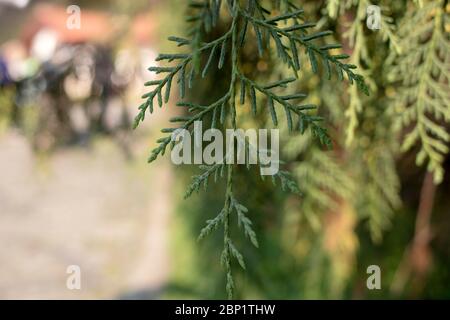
369 134
359 200
281 29
423 99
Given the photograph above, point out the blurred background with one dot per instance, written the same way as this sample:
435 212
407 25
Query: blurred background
75 188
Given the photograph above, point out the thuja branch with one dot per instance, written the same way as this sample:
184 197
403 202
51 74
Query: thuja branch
305 120
171 72
229 249
228 245
291 33
202 111
423 97
189 66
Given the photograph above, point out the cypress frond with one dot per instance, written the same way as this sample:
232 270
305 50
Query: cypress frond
189 65
421 99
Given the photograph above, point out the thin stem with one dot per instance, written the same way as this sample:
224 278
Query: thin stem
229 193
226 232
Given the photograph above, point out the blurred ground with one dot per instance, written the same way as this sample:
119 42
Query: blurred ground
87 207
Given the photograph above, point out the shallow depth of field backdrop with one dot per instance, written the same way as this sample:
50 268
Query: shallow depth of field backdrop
76 189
